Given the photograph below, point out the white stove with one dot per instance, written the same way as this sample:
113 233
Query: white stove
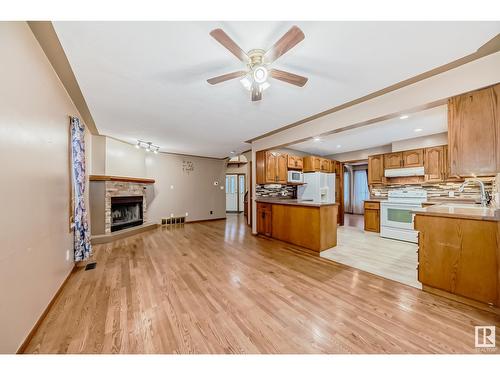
396 214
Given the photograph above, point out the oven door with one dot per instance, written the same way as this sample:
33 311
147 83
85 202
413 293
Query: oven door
397 215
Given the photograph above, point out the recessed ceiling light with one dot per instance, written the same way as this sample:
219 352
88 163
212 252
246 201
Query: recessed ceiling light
417 130
339 146
404 117
232 152
317 139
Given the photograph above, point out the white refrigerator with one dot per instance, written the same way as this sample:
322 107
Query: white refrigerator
318 187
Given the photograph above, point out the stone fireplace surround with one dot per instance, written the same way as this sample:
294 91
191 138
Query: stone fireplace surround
102 189
121 189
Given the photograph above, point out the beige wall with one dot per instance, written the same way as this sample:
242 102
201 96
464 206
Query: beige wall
123 159
421 142
98 152
194 192
34 236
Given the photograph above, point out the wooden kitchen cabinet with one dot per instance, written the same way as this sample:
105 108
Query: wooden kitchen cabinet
459 256
264 219
474 133
372 216
312 163
413 158
434 164
393 160
271 167
324 165
295 162
333 166
375 169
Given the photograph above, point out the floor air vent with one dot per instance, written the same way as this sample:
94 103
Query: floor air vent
90 266
173 222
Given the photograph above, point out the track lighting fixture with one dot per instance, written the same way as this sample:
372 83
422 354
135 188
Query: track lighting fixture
148 146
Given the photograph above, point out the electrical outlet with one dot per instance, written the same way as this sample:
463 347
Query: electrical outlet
171 215
211 212
187 214
222 187
172 187
451 193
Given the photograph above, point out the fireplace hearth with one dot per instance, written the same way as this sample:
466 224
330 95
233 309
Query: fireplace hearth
126 212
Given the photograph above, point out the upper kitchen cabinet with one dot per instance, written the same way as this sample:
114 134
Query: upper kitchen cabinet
393 160
312 163
434 164
413 158
271 167
375 169
474 133
295 162
333 166
324 165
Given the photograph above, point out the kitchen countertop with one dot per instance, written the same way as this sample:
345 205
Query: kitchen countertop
473 212
375 200
293 202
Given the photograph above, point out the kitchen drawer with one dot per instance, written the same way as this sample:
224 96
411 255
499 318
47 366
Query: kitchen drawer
264 206
372 205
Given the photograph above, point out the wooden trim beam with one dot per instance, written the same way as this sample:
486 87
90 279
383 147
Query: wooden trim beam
140 180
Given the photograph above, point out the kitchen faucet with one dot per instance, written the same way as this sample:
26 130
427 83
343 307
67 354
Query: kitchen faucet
484 194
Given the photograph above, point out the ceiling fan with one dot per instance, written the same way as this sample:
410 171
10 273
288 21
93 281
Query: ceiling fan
255 77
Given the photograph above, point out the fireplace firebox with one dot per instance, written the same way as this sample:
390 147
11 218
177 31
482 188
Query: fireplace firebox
126 212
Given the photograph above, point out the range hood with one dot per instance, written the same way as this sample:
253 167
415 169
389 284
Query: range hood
404 172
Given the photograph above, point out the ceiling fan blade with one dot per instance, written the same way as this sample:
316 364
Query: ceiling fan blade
256 93
224 39
291 38
226 77
288 77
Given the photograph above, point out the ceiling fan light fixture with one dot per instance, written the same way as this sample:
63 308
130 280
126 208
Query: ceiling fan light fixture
246 82
264 86
260 74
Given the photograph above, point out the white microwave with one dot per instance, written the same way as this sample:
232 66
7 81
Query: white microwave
295 177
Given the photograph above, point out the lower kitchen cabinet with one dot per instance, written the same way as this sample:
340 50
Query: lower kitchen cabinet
459 256
264 219
372 216
313 227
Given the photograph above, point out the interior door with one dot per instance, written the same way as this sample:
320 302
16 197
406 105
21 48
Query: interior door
241 192
231 193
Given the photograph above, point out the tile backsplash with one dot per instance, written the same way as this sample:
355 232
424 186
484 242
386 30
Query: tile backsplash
275 190
438 190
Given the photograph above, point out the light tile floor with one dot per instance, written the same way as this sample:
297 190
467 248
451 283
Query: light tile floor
367 251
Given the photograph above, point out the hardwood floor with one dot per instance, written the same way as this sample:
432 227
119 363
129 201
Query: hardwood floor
212 287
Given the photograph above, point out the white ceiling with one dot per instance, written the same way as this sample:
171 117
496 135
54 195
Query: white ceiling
147 80
430 121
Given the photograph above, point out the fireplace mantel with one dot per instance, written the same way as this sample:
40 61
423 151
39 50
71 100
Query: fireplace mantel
94 177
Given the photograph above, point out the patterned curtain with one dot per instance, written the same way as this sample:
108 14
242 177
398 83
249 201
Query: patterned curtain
83 248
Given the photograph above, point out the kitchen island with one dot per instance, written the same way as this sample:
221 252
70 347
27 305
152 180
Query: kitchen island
304 223
459 252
